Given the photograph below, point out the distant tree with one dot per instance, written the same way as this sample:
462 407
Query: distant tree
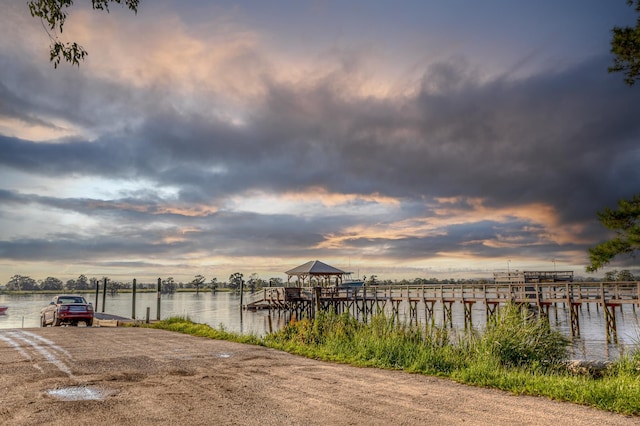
611 276
373 280
22 283
51 283
625 275
625 221
276 282
625 45
53 15
253 282
114 286
213 284
82 283
198 282
168 286
70 284
235 280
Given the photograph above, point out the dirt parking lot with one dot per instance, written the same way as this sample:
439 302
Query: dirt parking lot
133 376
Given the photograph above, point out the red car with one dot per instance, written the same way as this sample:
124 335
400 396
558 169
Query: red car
67 309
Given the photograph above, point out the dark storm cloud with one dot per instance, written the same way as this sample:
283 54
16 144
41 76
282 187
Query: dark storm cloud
567 138
67 247
546 138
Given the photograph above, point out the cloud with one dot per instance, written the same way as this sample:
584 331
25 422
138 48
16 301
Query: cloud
210 144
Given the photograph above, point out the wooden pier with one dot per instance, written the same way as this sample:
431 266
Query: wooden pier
365 301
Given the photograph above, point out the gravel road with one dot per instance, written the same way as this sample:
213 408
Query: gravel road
136 376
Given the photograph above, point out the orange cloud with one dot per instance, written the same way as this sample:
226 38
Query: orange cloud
448 212
191 211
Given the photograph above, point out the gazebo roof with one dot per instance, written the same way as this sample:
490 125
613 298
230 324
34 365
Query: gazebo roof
315 267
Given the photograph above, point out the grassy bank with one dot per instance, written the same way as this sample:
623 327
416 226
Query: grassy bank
516 353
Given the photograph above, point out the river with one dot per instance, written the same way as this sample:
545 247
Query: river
222 309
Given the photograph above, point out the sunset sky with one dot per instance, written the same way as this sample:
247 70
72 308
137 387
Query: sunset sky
401 139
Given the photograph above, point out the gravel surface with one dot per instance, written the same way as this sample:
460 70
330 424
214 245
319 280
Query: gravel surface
136 376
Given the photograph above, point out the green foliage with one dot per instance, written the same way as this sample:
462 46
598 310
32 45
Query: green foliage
168 286
382 342
53 14
614 275
22 283
515 338
51 283
625 221
625 45
235 280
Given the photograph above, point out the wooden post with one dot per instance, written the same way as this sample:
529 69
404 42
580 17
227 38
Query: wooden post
241 293
364 302
468 317
158 297
610 322
97 294
133 302
317 292
446 313
104 292
148 314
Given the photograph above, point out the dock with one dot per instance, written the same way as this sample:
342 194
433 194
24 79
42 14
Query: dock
365 301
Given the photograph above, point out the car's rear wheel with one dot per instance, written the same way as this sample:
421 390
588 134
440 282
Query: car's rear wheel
43 322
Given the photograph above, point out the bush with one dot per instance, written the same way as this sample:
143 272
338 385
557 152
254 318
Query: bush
515 337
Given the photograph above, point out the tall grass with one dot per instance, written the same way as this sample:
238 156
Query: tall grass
517 352
515 337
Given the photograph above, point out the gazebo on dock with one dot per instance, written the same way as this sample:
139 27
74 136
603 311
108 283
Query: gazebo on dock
324 273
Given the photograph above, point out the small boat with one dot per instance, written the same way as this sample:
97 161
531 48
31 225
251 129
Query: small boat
348 282
3 309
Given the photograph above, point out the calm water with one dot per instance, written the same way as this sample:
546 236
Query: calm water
223 309
220 309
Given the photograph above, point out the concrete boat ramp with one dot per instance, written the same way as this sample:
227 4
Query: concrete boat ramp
101 319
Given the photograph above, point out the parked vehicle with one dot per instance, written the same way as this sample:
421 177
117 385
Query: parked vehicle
67 309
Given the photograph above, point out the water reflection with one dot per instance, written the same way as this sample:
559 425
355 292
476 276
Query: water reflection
222 310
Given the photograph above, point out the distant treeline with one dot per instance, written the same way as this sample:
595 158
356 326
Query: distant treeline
236 280
168 285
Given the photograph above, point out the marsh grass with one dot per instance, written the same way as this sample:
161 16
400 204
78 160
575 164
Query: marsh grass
517 352
183 324
515 337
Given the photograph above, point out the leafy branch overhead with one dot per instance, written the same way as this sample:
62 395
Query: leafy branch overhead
53 15
625 45
625 221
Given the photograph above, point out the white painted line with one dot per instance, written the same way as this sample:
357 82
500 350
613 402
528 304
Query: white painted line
28 338
21 351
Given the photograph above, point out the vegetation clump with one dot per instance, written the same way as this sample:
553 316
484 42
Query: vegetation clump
516 338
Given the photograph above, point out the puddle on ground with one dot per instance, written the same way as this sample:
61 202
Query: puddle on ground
78 393
223 355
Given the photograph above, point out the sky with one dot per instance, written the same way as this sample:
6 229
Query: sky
402 139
